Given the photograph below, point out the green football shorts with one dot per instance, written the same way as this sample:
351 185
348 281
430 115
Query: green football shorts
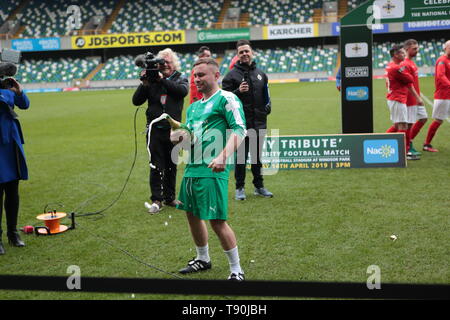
206 198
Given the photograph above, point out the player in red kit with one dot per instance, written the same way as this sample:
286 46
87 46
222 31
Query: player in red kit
441 107
417 115
203 52
399 83
233 62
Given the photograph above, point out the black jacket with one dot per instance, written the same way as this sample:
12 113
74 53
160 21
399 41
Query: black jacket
172 89
256 101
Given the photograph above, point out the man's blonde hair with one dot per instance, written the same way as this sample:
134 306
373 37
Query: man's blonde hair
169 52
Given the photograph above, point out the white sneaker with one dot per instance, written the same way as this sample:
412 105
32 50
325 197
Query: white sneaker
152 208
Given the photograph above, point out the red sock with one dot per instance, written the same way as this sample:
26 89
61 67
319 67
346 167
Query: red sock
416 128
406 139
392 129
434 126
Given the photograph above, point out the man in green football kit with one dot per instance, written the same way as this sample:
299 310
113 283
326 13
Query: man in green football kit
204 188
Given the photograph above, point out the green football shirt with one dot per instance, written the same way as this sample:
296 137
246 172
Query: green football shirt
212 121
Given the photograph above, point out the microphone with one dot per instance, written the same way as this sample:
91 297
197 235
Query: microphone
7 69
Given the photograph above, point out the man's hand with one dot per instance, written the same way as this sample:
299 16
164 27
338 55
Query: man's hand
144 81
218 164
244 87
420 102
16 87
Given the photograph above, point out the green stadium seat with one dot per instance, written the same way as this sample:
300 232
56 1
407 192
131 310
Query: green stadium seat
270 12
48 18
6 7
159 15
55 70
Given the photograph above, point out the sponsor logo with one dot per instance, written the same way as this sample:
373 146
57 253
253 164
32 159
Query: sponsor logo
201 36
389 9
80 42
223 34
290 31
128 40
356 50
39 44
381 151
357 93
357 72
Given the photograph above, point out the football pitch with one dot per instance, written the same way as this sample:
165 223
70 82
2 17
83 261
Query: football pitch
321 225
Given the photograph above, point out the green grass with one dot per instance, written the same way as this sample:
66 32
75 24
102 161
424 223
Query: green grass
322 225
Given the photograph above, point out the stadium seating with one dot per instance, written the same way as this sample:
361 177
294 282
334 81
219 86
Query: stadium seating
270 12
122 67
6 7
48 18
352 4
276 60
292 59
157 15
428 54
55 70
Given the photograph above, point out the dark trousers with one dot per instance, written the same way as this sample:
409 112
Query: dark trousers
163 178
10 192
252 144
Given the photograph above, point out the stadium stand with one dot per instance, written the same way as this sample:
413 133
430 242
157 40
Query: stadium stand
352 4
278 60
157 15
48 18
292 59
55 70
118 68
123 67
270 12
6 7
429 52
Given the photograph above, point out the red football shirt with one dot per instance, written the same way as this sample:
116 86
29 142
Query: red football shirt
194 94
233 62
442 78
398 80
414 71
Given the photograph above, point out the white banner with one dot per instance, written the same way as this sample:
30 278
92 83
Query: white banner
290 31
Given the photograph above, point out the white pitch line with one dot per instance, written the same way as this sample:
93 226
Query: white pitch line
426 99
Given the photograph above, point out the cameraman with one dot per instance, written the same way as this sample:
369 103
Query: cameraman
13 166
165 94
250 84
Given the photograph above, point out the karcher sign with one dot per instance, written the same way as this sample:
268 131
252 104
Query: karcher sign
128 40
291 31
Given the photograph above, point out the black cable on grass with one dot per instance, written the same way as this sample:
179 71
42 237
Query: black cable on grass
129 254
110 205
126 180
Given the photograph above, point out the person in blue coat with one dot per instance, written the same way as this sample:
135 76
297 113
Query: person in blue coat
13 165
338 79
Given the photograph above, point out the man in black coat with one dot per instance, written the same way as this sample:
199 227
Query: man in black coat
250 84
164 95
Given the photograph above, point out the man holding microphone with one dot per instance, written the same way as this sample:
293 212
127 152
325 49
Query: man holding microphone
250 85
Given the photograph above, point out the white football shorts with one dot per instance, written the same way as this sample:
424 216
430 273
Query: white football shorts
416 113
441 109
399 112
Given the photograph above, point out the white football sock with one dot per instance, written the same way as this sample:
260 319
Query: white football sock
203 253
233 260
